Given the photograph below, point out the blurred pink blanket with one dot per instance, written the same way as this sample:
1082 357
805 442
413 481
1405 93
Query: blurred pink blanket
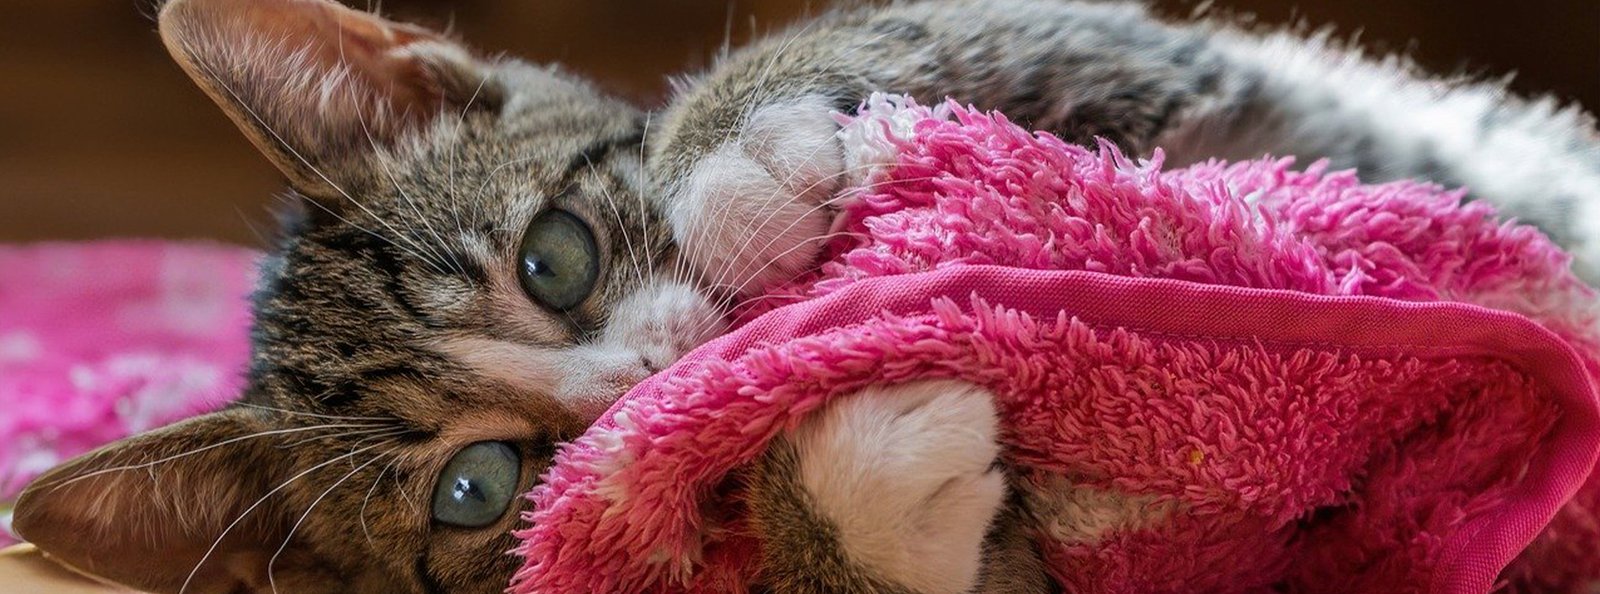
1220 378
101 340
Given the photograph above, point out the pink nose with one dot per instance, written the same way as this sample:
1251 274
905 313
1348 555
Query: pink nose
630 376
607 388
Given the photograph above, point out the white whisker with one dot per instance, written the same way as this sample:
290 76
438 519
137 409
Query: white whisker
314 415
455 156
303 161
368 498
271 581
622 226
438 259
226 442
229 529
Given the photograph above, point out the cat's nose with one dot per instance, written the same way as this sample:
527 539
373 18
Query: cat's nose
626 374
599 391
652 365
595 377
633 374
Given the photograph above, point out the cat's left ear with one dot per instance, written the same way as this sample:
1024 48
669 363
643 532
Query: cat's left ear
317 86
188 504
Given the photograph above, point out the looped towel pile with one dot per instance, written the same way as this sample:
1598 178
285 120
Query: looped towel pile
1220 378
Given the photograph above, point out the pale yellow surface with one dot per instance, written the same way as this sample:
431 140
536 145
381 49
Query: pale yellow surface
24 569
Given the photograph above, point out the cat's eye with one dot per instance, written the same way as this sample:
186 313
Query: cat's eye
477 485
558 262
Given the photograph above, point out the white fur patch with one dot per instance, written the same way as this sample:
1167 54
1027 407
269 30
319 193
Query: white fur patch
754 211
905 474
648 330
661 322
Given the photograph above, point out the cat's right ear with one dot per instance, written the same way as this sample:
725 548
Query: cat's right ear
317 86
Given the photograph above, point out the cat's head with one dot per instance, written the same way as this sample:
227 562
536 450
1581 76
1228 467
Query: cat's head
472 274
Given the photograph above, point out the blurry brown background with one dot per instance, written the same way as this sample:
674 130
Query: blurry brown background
100 135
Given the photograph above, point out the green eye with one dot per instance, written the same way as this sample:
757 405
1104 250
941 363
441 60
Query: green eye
477 485
558 262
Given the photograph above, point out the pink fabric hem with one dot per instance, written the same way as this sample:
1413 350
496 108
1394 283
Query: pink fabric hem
1177 310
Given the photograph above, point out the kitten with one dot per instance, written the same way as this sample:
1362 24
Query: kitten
487 253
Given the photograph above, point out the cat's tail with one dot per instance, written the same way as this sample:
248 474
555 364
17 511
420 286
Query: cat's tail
1536 160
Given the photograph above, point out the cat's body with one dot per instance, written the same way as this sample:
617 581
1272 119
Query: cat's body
410 314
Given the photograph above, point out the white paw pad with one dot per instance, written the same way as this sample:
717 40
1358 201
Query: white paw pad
906 475
756 211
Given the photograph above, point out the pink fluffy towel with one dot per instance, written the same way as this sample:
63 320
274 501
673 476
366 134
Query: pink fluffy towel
1255 379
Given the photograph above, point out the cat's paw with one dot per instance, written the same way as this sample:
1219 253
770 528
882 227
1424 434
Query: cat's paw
755 209
906 476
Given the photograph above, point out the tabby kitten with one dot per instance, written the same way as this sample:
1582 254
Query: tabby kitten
488 253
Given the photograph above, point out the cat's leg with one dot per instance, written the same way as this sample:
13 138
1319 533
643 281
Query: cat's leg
743 151
1535 159
745 159
893 489
753 209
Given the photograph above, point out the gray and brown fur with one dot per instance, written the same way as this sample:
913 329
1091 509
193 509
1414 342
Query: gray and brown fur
408 217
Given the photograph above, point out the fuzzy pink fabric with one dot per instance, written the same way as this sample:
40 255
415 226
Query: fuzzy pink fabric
1254 378
102 340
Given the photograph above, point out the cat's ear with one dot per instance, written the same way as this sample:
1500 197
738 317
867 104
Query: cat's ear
144 511
315 85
